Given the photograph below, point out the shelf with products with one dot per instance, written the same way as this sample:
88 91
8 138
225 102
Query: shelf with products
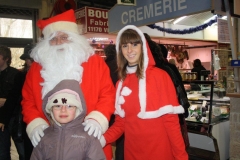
99 49
209 113
225 56
232 79
208 104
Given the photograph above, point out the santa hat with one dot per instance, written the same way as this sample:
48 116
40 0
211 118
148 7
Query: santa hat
65 21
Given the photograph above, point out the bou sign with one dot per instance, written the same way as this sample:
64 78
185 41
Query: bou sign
94 19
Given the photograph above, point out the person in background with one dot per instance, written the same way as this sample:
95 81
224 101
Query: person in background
11 82
65 54
198 67
28 147
181 116
26 57
172 61
111 60
65 108
145 112
183 60
176 72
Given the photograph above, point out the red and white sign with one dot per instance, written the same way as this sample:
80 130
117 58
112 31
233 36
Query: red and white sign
91 19
81 20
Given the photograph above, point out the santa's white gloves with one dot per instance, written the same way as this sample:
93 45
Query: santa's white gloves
102 141
37 134
93 127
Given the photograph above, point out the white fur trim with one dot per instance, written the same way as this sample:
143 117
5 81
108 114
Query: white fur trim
126 91
142 94
145 54
71 99
120 112
131 69
168 109
33 124
100 118
60 26
121 100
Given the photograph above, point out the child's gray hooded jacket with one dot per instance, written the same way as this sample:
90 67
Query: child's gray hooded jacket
69 141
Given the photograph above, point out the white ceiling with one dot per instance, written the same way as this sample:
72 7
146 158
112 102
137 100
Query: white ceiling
195 19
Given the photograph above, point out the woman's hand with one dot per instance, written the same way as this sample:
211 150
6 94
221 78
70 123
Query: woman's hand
2 126
2 102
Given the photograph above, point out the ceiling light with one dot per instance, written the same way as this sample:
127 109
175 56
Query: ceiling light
224 17
179 19
211 18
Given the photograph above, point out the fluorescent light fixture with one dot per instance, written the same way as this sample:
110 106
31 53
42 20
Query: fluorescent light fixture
224 17
179 19
211 18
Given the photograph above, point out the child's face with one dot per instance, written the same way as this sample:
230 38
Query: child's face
64 113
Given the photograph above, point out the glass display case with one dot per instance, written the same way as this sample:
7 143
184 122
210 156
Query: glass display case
209 110
208 103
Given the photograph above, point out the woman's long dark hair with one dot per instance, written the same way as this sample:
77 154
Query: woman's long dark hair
129 36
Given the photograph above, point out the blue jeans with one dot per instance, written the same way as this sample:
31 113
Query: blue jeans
5 144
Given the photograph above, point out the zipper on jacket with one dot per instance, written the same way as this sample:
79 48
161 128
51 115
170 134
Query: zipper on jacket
62 141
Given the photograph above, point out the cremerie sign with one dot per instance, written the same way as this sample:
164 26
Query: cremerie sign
153 11
91 19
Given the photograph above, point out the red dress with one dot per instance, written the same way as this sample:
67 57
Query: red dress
154 138
147 112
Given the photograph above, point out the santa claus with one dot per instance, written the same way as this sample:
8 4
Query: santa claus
64 54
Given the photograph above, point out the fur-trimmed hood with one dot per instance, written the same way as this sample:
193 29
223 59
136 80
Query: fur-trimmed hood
153 77
71 86
148 58
148 61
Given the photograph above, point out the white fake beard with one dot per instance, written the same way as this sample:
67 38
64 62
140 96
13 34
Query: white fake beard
61 61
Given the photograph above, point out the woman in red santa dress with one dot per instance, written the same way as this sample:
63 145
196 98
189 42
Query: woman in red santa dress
146 105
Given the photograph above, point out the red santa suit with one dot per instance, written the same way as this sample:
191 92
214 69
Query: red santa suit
97 88
146 112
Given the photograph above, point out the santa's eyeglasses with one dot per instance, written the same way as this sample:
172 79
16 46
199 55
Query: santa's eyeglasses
63 38
59 39
60 107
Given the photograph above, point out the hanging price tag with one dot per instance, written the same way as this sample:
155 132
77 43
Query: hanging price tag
204 103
